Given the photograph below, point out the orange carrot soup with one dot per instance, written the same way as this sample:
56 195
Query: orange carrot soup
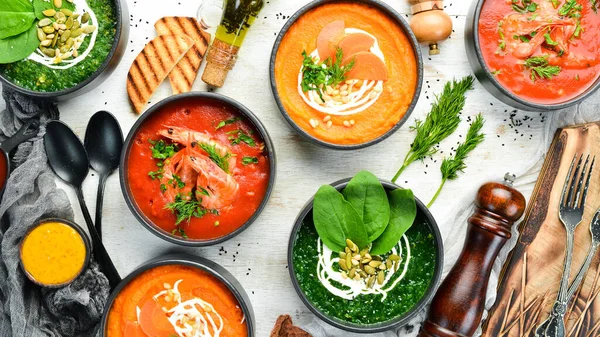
198 169
53 253
346 73
544 51
176 301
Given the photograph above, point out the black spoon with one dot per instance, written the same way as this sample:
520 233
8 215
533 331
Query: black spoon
69 161
103 143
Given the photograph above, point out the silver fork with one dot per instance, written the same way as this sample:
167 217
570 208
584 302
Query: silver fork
595 230
570 213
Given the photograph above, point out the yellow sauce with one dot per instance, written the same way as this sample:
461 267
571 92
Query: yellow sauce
53 253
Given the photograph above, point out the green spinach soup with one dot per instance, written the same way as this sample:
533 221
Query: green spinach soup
407 284
71 41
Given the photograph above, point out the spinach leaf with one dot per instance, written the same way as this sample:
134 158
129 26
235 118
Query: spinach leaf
403 213
336 220
368 197
16 48
42 5
16 17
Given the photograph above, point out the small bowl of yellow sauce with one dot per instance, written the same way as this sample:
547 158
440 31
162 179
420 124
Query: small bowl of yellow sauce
54 252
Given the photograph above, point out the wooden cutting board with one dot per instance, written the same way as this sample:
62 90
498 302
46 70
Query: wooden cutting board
530 277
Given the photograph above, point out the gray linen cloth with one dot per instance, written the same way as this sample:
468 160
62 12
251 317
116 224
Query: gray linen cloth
27 310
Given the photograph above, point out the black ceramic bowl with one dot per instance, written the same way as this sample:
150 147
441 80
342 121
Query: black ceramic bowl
86 243
415 46
100 75
422 213
192 261
137 212
489 81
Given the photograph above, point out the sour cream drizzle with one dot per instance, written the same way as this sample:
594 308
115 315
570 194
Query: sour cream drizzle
358 101
353 288
81 7
204 319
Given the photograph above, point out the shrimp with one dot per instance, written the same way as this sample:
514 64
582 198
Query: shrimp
189 137
215 188
178 170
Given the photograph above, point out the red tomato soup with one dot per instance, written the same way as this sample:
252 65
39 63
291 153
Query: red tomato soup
543 51
198 169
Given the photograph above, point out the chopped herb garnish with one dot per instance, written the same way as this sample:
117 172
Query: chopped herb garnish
176 181
316 75
160 149
227 122
570 9
502 42
163 188
158 174
540 68
524 6
521 37
241 137
213 154
249 160
186 209
555 3
577 77
181 232
549 40
497 72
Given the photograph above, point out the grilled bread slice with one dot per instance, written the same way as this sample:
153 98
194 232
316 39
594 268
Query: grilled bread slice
153 64
184 74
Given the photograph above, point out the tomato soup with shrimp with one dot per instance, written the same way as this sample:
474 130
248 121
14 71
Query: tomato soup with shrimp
545 52
176 301
198 169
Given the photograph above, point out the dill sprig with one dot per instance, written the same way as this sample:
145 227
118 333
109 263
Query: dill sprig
185 209
541 68
441 122
451 166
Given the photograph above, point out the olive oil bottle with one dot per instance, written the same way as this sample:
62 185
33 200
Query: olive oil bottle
238 17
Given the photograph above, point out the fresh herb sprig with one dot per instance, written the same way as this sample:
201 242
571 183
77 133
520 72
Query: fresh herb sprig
249 160
228 122
241 137
451 166
161 151
185 209
222 161
315 75
570 9
440 123
541 68
524 6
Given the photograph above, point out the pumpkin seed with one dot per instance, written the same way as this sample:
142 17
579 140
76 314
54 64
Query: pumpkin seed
344 275
365 260
357 277
41 35
64 49
342 256
382 266
364 252
356 257
55 25
62 26
342 264
396 266
48 29
389 264
75 53
375 264
75 16
76 33
69 23
48 52
44 22
363 274
354 262
58 3
54 40
369 270
50 36
380 278
65 36
85 17
49 12
66 55
368 256
371 282
352 273
377 258
353 247
66 12
46 43
394 257
348 260
57 60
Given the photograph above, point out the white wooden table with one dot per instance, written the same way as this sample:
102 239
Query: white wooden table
258 257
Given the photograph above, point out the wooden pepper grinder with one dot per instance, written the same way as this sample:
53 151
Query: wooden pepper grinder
458 305
430 23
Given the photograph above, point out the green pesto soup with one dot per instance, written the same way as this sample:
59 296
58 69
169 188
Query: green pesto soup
367 309
36 76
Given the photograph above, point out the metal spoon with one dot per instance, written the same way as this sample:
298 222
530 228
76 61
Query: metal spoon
103 143
69 161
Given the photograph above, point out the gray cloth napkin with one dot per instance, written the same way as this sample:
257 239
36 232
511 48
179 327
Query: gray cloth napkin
31 194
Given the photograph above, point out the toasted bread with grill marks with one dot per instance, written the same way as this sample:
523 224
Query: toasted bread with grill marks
153 64
184 74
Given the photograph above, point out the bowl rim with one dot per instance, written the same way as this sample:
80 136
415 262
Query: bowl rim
84 238
473 19
120 12
400 21
123 163
383 326
214 269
